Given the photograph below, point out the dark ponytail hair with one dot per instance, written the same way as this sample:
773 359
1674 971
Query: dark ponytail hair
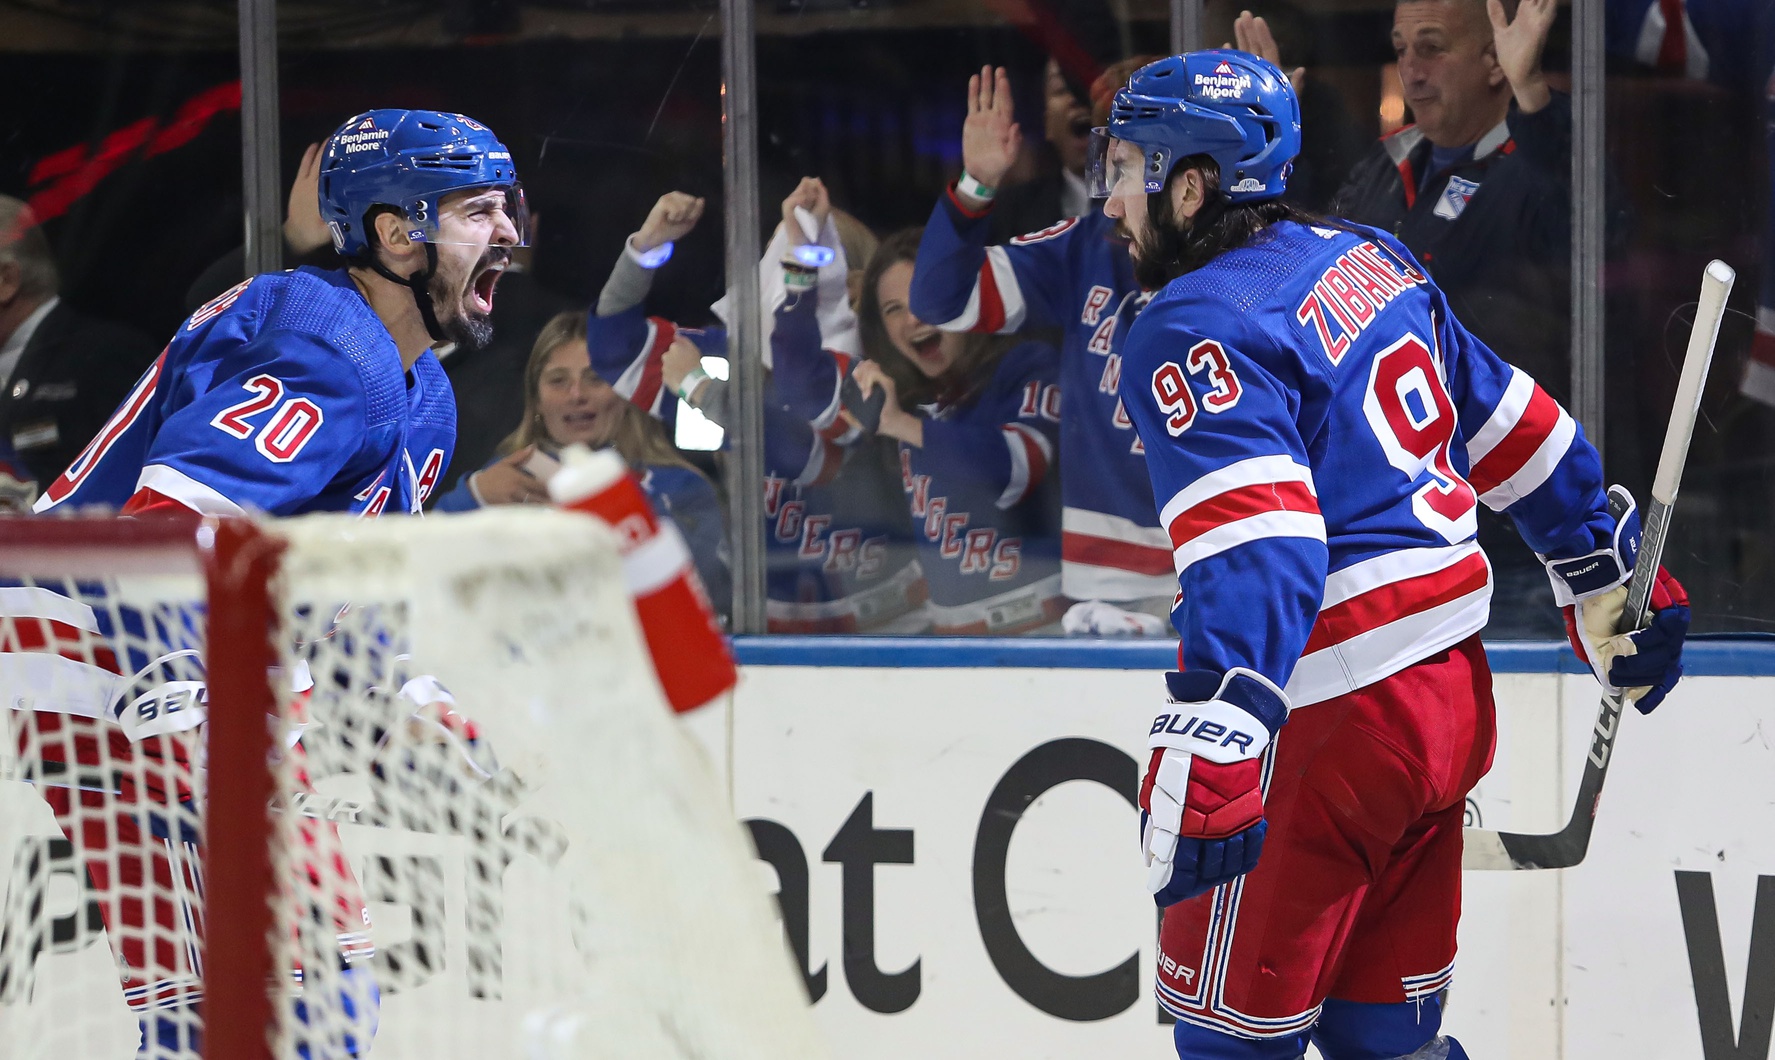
1174 246
972 369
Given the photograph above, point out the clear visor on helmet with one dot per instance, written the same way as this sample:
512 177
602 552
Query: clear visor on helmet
476 217
1114 166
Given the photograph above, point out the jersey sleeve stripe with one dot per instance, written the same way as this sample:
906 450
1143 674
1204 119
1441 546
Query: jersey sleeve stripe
1253 471
120 422
1537 468
827 423
1503 417
1241 503
996 302
1007 295
1388 603
642 382
824 459
1254 528
171 482
1030 456
1539 419
49 659
1082 549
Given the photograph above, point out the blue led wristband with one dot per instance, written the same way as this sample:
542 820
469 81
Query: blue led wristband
812 255
651 259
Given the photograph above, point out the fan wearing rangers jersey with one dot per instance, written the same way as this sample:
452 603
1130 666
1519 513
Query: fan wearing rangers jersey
976 456
1076 276
1319 430
293 392
837 541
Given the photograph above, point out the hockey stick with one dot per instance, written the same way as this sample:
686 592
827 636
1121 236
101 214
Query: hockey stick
1486 849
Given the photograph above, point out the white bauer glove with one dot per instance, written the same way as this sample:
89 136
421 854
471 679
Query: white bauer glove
1201 805
1644 665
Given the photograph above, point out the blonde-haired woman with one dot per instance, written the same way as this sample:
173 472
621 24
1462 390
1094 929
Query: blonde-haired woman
567 402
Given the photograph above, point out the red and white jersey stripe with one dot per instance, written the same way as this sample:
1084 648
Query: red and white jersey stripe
1108 557
1519 447
52 656
996 303
1031 456
642 382
1259 497
1380 615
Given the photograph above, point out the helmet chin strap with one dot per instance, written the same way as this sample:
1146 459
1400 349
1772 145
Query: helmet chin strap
420 284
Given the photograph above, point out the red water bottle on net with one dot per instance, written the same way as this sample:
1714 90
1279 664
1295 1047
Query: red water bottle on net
690 656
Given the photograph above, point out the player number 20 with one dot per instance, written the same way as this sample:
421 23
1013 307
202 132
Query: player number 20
1172 390
285 433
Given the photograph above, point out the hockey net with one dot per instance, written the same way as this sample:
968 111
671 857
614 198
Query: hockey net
328 787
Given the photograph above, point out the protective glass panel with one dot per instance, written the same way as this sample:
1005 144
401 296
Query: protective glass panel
920 475
119 182
1689 145
1405 129
604 108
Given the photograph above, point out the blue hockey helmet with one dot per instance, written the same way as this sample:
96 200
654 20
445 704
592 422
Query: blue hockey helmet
1230 105
410 159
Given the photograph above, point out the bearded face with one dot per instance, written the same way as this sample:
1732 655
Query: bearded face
462 294
476 234
1151 248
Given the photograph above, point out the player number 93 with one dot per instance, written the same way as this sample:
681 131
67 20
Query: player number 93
1171 389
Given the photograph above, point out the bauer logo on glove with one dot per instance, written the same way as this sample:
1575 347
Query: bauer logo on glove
1201 805
1640 665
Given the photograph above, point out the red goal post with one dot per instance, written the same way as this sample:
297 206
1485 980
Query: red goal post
569 875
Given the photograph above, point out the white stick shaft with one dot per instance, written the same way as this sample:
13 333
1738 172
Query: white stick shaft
1716 285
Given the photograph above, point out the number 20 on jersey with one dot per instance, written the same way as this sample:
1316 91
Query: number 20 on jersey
285 433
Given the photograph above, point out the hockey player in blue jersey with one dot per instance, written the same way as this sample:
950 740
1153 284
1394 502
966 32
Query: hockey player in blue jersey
293 392
1319 431
1074 275
317 390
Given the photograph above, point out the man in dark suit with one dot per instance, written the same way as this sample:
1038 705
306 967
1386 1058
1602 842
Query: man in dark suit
62 373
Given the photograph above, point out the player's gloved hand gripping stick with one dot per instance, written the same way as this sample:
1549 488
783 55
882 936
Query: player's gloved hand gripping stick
1643 664
1635 662
1201 805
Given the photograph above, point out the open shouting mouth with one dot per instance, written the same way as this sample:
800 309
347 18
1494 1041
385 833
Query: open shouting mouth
480 288
927 345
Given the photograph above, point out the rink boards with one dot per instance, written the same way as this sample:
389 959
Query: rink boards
952 830
979 797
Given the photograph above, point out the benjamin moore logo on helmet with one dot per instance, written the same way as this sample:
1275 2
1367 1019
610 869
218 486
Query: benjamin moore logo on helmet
362 140
1223 83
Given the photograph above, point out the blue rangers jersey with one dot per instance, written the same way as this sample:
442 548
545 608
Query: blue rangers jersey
838 551
1075 275
984 501
286 394
1320 430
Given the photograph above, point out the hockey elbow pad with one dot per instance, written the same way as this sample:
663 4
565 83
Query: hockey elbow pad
1201 804
1643 665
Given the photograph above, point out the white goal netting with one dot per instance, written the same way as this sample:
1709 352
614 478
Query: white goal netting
488 835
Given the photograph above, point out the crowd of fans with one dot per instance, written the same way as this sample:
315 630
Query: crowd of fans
943 447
